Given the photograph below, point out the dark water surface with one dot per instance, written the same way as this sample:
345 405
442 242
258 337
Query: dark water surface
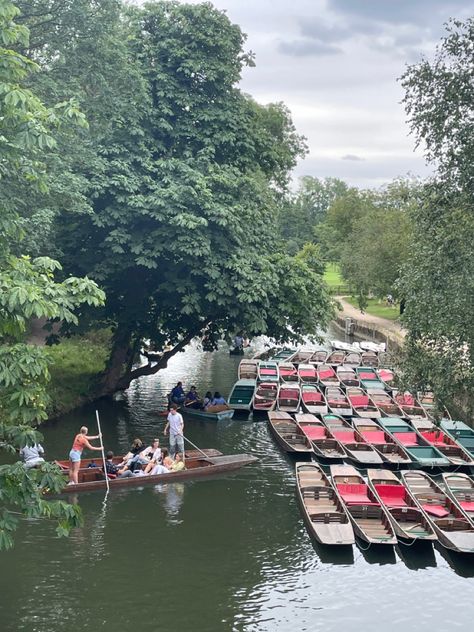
229 553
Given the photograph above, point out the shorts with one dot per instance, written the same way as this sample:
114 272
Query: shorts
75 456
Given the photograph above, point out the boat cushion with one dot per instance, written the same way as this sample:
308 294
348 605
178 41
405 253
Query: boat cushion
344 436
288 393
367 375
326 373
359 400
268 371
467 505
436 510
307 372
314 432
374 436
392 495
354 494
386 375
312 396
407 438
433 437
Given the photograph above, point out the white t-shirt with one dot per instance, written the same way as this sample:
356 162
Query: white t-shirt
176 423
32 453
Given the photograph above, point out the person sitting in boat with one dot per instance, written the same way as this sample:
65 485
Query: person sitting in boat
161 468
113 470
32 455
192 399
218 400
132 459
177 395
207 401
178 464
150 453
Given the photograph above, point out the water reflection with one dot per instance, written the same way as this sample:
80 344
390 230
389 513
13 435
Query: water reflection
333 554
173 497
417 556
376 553
461 563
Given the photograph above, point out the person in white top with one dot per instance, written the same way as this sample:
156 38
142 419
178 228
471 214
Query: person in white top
176 427
32 455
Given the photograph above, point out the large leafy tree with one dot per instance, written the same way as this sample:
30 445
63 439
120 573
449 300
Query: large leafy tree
439 279
27 286
183 181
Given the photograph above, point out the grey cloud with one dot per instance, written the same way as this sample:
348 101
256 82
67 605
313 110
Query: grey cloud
306 48
352 157
315 29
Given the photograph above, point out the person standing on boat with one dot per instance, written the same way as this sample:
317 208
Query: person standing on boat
177 395
81 441
176 427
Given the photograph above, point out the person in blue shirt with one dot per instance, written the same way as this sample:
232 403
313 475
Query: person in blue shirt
218 400
177 395
192 399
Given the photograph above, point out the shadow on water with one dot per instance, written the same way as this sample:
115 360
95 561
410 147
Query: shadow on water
461 563
333 554
417 556
377 553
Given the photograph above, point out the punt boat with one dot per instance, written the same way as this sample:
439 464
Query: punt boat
324 444
288 434
352 359
301 356
289 397
324 515
283 354
386 376
410 407
336 358
438 438
268 372
370 520
344 346
391 452
307 373
211 414
387 406
452 526
358 450
248 369
369 358
346 376
369 345
461 432
369 379
196 467
312 400
319 356
242 394
419 450
287 372
362 404
265 396
461 487
408 520
327 375
427 401
338 403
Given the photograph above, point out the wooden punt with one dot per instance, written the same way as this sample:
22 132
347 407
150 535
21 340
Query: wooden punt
427 401
420 451
288 434
460 432
307 373
357 449
452 526
265 396
287 372
282 355
369 380
327 375
324 444
461 488
301 356
268 372
344 346
289 397
352 359
440 439
369 358
386 376
241 395
324 515
336 358
387 406
408 520
210 414
391 452
361 403
337 402
347 376
410 407
248 369
312 400
369 518
319 356
92 478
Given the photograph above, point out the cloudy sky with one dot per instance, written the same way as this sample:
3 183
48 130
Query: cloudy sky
335 63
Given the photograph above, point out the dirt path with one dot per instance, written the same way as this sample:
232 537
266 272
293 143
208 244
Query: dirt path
392 326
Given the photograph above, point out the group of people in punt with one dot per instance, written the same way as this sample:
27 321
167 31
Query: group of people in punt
191 399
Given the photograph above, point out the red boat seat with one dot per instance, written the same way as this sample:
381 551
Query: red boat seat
386 375
314 432
433 437
359 400
467 505
436 510
307 372
268 371
374 436
288 394
367 375
344 436
406 438
354 494
392 495
327 373
312 397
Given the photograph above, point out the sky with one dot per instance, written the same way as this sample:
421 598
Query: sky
335 64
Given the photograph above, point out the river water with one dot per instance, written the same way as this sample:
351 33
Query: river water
229 553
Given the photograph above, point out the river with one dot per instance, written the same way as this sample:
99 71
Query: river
229 553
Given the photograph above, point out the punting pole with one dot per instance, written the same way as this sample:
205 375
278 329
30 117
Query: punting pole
195 446
103 452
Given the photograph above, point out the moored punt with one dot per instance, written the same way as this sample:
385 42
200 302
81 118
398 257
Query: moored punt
337 402
210 414
361 403
325 516
391 452
343 346
460 432
386 376
461 487
307 373
265 396
241 395
336 358
369 358
358 450
450 523
282 355
288 434
427 402
409 406
346 376
93 478
369 379
287 372
324 444
312 400
268 372
289 397
301 356
248 369
369 345
387 406
440 439
420 451
327 375
319 356
370 520
352 359
408 520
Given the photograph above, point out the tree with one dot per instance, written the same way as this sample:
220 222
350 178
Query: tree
183 183
27 289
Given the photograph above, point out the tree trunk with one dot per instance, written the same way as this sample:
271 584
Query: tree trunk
121 356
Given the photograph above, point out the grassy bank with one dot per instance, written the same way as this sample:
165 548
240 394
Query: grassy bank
376 307
76 364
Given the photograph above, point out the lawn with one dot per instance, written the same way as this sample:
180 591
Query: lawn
377 307
333 277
